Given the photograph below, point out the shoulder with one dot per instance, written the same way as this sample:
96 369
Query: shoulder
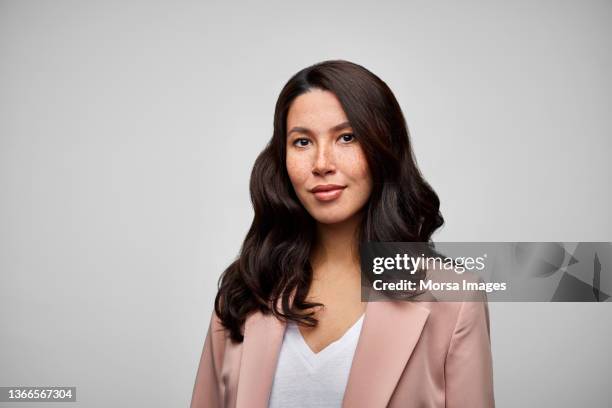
454 310
218 336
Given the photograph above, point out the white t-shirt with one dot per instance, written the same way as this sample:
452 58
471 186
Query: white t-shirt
313 380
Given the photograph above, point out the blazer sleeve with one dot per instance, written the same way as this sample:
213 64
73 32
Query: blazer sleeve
207 388
469 365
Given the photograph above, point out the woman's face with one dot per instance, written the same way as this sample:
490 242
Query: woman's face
326 164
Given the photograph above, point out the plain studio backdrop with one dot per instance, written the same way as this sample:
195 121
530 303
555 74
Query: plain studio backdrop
128 131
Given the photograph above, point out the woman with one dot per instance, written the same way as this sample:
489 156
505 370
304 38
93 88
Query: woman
289 327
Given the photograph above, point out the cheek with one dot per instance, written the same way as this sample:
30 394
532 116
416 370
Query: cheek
297 170
357 164
360 173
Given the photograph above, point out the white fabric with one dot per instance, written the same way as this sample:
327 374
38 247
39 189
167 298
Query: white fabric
313 380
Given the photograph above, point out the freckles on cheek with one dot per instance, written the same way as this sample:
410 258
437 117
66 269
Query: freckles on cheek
298 171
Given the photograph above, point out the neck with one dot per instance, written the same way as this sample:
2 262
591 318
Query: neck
336 250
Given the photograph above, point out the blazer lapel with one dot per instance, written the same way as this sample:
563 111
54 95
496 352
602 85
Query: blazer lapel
390 331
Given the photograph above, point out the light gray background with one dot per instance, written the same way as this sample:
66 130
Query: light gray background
128 132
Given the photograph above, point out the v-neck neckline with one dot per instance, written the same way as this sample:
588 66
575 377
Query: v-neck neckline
313 359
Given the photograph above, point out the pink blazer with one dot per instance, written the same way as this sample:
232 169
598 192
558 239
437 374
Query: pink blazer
409 354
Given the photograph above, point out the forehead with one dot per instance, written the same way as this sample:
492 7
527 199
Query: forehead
316 109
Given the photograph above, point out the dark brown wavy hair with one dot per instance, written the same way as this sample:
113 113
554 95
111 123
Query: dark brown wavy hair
274 257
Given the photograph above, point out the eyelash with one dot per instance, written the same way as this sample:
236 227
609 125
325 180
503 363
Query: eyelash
341 136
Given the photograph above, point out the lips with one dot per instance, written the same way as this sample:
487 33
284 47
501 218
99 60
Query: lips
327 192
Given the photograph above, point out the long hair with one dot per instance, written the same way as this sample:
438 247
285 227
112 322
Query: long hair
274 258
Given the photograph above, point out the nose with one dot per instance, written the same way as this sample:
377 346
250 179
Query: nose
324 161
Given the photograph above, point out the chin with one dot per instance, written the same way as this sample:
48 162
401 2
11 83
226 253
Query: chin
331 218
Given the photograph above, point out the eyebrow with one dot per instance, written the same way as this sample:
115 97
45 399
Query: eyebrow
300 129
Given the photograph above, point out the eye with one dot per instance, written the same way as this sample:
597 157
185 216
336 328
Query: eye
301 142
347 137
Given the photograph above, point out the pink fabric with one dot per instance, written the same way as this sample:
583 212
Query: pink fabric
409 354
